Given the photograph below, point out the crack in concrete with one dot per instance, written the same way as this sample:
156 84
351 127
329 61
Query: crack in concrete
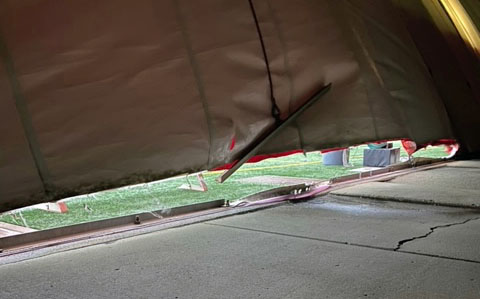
432 230
345 243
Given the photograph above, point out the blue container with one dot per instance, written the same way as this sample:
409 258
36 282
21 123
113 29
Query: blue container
335 158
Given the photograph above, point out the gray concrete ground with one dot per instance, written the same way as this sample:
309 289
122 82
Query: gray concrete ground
457 184
330 247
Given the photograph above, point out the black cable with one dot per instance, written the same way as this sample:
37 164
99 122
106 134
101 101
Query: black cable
275 109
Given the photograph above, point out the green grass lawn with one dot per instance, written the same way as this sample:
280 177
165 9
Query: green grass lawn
165 194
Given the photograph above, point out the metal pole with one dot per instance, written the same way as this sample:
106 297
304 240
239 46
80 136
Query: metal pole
253 148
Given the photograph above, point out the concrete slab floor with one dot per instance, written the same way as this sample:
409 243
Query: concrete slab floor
443 178
451 186
331 247
459 239
381 224
465 163
414 193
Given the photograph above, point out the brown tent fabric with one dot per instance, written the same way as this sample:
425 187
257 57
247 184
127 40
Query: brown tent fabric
97 94
454 69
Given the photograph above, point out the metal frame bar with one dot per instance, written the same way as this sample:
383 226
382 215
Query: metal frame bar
49 234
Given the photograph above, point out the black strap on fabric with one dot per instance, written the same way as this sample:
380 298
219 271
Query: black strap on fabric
275 109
